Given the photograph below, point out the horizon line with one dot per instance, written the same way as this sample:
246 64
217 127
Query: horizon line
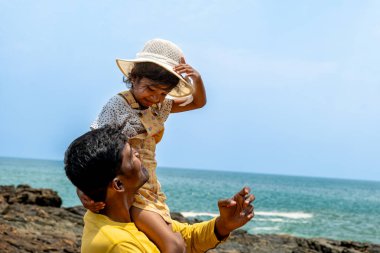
220 170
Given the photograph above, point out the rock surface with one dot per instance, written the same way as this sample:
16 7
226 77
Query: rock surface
32 221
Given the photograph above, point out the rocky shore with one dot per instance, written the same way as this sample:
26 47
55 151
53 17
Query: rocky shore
32 220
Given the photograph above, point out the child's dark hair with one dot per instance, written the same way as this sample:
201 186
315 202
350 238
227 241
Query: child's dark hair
154 72
93 160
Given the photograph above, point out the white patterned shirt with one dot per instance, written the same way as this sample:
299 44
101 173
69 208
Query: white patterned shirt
118 112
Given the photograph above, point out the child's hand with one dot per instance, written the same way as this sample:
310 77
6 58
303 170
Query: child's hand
186 69
198 98
88 203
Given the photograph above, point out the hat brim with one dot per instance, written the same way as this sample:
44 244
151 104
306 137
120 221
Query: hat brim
184 88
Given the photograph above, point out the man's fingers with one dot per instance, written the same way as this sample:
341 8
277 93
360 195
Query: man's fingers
248 199
249 209
226 202
247 212
241 195
182 60
244 191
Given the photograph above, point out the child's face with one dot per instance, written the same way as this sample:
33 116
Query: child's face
148 92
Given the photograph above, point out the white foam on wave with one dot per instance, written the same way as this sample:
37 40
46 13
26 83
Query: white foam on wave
195 214
289 215
269 219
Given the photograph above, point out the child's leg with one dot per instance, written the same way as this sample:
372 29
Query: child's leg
158 231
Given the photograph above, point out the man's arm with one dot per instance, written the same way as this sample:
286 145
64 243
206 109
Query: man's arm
198 237
234 213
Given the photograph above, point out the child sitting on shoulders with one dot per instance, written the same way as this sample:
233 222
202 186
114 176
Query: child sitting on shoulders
157 71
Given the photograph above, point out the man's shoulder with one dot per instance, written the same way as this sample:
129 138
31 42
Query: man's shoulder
100 225
100 234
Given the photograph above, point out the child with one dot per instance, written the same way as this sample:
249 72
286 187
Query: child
142 110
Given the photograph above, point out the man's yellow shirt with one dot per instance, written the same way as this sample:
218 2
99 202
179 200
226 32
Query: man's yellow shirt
102 235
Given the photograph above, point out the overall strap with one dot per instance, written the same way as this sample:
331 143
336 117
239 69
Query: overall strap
128 97
148 118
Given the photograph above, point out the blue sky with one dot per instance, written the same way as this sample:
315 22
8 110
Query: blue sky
293 86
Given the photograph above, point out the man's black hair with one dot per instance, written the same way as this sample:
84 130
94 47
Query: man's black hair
93 160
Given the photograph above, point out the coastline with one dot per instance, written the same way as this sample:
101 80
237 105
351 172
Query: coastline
32 220
310 207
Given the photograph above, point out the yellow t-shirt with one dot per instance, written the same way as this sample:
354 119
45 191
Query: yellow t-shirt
102 235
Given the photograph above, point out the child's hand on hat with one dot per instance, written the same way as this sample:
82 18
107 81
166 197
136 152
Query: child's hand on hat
186 70
198 97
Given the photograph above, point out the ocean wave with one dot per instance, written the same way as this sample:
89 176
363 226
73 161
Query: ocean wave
270 219
289 215
195 214
264 229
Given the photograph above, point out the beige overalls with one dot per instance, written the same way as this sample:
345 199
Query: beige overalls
149 197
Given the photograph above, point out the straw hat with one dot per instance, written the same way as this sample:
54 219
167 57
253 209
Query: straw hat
163 53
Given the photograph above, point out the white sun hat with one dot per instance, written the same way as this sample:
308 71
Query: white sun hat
164 53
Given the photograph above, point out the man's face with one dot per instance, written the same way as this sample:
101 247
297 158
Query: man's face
133 173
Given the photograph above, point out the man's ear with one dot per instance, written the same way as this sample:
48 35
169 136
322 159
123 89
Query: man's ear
117 185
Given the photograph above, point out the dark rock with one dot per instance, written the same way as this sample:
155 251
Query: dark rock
32 228
24 194
179 217
31 221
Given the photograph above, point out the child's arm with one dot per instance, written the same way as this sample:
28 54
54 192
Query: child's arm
199 94
158 231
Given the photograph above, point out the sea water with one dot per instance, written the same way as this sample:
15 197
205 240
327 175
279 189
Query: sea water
301 206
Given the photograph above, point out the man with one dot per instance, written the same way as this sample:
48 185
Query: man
102 164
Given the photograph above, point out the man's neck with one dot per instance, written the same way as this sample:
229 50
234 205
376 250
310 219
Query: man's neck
117 209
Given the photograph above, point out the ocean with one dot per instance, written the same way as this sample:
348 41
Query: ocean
301 206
